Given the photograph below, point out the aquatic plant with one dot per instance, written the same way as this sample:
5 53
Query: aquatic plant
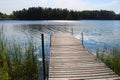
17 62
111 57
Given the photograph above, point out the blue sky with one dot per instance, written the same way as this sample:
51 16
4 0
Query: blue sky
7 6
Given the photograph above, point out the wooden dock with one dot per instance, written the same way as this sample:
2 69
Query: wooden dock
69 60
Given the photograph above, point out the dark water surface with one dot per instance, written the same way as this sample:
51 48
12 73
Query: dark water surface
96 32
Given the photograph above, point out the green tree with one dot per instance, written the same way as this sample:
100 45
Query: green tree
39 13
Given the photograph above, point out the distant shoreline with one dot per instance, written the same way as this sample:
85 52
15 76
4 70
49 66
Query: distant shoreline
40 13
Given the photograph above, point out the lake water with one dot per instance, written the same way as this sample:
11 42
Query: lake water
97 33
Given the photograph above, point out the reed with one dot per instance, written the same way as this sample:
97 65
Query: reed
111 58
17 62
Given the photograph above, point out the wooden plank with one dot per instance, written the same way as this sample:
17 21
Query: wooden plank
69 60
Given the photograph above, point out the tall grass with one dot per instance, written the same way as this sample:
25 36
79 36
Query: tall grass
111 57
17 62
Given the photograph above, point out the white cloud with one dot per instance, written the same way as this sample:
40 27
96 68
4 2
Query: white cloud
8 6
82 4
43 2
108 4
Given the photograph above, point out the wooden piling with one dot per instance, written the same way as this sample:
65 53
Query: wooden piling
43 56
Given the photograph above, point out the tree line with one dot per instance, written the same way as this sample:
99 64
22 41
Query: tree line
39 13
4 16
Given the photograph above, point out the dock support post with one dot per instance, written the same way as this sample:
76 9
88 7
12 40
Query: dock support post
50 39
43 56
82 39
72 31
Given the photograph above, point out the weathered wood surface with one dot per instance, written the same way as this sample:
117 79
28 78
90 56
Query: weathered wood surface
70 61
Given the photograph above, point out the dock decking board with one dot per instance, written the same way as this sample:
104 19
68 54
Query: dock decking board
69 60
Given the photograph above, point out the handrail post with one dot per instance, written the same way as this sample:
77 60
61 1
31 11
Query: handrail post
50 47
72 31
50 39
82 39
43 56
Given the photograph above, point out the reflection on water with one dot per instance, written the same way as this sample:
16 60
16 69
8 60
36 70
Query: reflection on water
96 32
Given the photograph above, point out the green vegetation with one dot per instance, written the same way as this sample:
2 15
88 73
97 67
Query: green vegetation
39 13
4 16
111 58
17 62
118 17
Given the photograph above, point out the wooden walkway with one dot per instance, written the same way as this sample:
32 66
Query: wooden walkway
70 61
